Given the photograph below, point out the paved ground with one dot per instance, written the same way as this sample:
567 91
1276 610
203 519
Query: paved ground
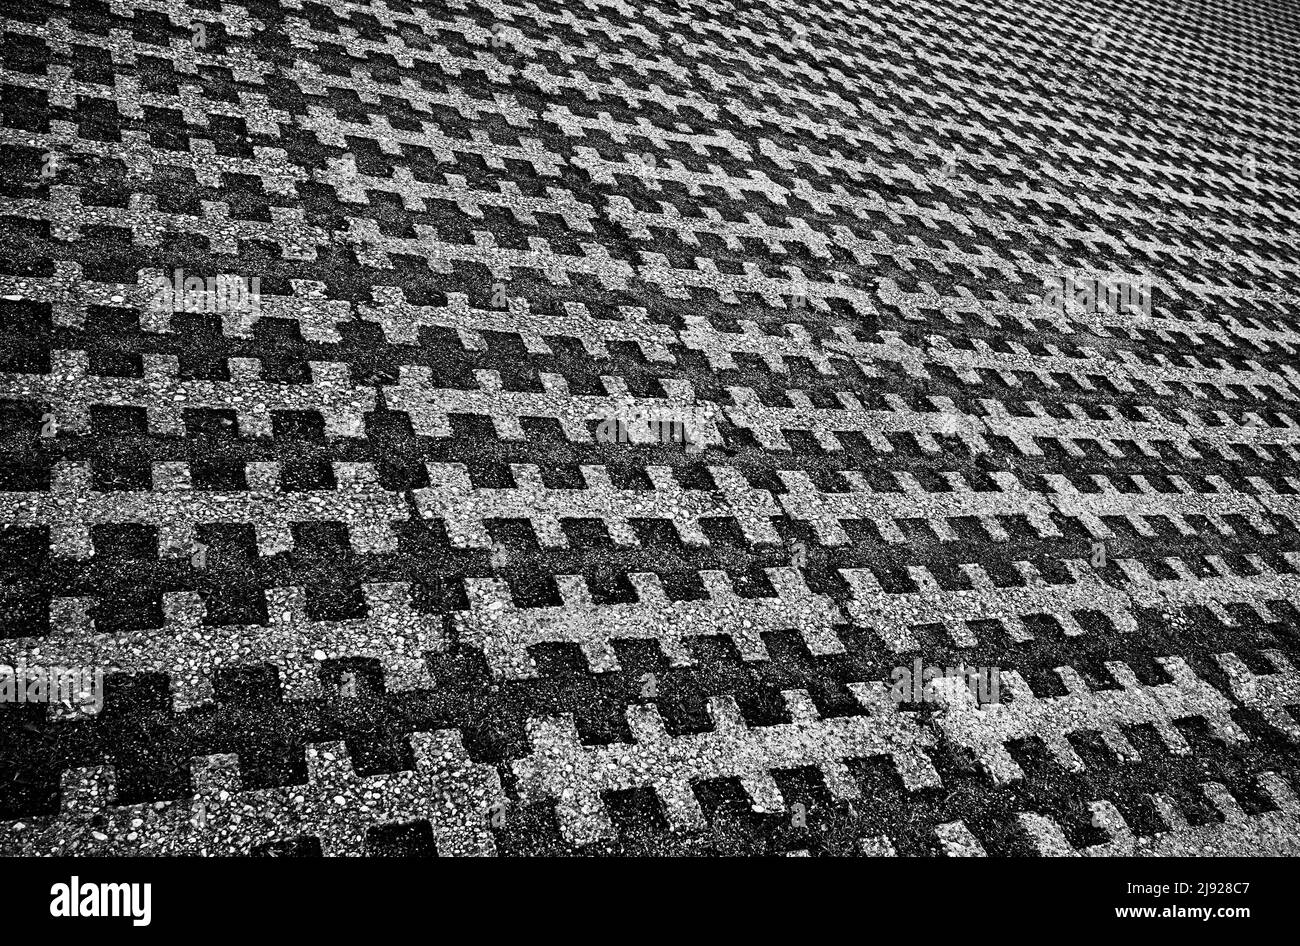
329 332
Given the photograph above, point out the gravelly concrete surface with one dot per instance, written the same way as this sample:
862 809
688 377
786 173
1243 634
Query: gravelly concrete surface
489 428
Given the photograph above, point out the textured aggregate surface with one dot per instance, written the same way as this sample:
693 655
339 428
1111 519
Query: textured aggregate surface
363 571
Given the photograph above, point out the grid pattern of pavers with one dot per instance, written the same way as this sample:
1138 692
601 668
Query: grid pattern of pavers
339 346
